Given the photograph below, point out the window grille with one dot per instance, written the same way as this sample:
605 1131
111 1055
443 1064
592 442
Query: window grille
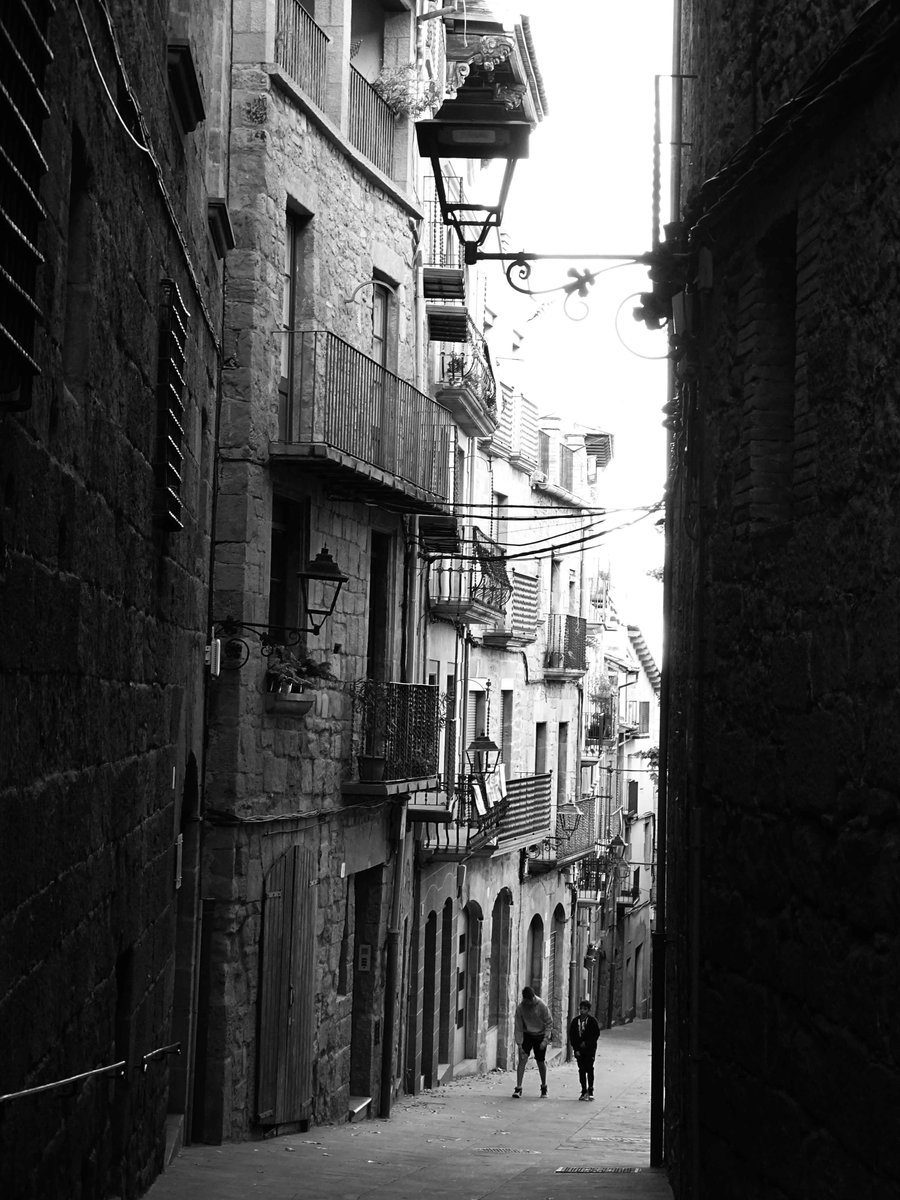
23 109
173 318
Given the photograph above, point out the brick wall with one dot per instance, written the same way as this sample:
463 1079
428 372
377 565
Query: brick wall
104 617
783 833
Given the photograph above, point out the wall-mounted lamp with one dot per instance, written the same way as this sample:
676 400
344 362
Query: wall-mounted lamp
483 754
568 817
616 849
320 585
447 140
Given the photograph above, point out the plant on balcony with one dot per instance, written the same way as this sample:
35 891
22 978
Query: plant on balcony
404 92
377 727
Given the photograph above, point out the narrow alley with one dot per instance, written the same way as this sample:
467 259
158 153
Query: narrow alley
468 1140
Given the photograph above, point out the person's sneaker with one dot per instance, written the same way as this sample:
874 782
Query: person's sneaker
590 1095
517 1094
583 1096
543 1092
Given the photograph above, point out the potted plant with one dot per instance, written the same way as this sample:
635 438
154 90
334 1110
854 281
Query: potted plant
405 94
287 677
375 721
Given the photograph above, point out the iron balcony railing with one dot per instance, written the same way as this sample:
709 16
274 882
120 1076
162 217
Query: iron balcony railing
399 722
468 365
442 247
371 122
575 843
566 643
341 398
521 818
473 583
300 49
600 719
591 873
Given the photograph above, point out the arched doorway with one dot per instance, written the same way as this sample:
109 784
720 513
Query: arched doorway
498 985
447 1002
557 991
469 979
534 955
429 986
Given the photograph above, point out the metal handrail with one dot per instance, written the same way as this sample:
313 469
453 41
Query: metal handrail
113 1069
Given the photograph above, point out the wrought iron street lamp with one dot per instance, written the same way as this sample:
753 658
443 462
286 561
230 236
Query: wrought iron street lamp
448 139
320 585
444 139
568 817
483 754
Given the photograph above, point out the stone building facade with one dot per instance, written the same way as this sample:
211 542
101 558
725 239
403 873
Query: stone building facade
114 230
353 400
783 839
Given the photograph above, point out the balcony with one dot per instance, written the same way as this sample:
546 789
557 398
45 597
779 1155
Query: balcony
369 430
565 655
473 586
519 624
570 844
592 872
396 738
521 819
466 384
300 49
600 721
371 123
443 269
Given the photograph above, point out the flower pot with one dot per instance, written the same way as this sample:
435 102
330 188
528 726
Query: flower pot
293 704
371 767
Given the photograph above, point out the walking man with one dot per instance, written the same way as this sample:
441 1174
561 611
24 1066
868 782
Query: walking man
583 1034
534 1028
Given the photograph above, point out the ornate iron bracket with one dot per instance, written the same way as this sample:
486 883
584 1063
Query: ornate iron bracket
236 647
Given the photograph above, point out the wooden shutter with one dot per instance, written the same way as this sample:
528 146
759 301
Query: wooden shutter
287 990
632 796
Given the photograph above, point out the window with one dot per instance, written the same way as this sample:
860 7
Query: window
632 797
566 467
643 716
499 516
562 762
380 312
763 491
540 748
173 319
506 731
289 551
544 452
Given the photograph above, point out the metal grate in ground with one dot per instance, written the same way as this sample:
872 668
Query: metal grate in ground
599 1170
499 1150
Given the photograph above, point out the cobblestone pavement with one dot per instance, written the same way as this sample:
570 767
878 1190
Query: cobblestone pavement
468 1140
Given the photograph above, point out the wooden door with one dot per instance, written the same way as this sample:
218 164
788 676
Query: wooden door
287 990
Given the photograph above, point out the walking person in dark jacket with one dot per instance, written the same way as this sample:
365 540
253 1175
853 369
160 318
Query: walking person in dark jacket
583 1034
534 1029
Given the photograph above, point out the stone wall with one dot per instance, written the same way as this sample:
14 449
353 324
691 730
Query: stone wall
101 701
784 839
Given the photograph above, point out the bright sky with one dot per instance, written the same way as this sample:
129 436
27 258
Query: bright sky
587 186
